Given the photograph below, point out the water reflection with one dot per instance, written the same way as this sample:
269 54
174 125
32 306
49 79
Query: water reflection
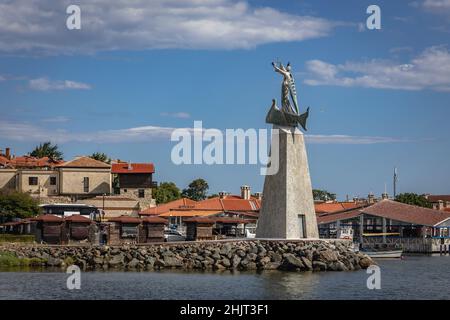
400 280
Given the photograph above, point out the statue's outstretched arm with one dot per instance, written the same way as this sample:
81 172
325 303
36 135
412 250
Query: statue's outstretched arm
277 69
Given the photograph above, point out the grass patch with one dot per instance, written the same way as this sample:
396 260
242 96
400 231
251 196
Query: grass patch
16 238
8 259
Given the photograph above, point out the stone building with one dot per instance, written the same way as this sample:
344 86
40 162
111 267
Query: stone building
134 181
83 177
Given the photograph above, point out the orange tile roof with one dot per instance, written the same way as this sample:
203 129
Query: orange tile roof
84 162
328 207
124 167
163 208
189 213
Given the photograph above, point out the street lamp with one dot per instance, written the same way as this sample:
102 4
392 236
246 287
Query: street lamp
103 209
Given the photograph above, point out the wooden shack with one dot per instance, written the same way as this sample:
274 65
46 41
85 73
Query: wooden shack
49 229
123 229
230 227
199 228
153 229
77 229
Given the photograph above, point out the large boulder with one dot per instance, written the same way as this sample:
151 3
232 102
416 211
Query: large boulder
291 262
116 260
365 262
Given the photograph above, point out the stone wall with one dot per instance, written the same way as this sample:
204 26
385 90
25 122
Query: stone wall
301 255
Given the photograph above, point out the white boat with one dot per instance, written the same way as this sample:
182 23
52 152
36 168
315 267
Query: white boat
249 234
384 253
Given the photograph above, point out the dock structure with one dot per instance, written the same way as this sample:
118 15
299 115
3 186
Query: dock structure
413 228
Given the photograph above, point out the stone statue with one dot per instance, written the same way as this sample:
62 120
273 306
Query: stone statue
289 114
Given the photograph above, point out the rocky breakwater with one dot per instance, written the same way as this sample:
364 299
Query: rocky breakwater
299 255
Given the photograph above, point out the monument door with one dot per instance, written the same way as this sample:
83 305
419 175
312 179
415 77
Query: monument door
301 224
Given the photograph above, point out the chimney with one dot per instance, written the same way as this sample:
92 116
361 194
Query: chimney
384 196
355 199
258 195
440 205
8 153
371 198
129 166
222 194
245 192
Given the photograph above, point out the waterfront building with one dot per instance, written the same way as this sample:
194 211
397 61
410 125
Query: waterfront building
415 228
439 202
243 211
81 180
134 181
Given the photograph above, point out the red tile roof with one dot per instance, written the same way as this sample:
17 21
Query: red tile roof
125 219
124 167
392 210
84 162
335 216
29 162
154 220
48 218
200 220
436 198
407 213
78 218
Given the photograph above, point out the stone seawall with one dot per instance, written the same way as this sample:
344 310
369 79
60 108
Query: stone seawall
298 255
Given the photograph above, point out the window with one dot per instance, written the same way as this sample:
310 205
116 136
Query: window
129 231
33 181
141 193
86 184
53 181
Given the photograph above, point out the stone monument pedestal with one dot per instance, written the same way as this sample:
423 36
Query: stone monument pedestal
287 210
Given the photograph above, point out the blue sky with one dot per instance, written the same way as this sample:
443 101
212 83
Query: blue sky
378 98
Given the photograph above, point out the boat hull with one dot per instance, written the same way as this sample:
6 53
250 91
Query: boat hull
384 254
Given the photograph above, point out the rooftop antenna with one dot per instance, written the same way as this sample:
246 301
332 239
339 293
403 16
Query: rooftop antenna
395 182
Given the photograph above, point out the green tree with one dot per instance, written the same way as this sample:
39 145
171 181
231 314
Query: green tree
413 199
17 204
323 195
166 192
100 156
197 190
47 149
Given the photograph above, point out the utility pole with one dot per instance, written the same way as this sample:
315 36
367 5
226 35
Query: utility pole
395 182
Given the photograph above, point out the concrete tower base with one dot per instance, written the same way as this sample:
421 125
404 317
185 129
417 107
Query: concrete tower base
287 210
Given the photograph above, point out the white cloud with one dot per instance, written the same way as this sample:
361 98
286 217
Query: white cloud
56 119
179 115
436 5
30 132
347 139
429 70
44 84
39 26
